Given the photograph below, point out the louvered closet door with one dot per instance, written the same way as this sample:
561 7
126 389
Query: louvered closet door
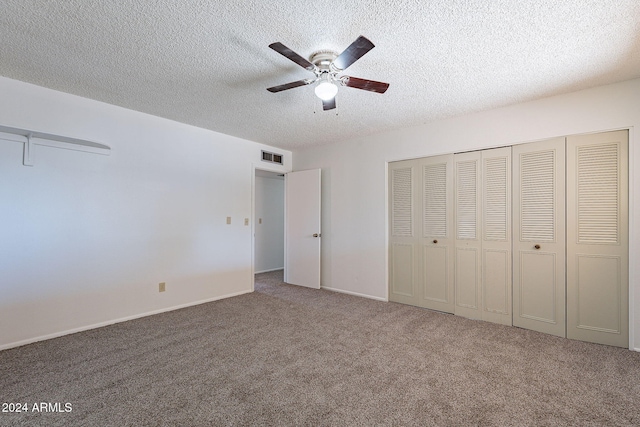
483 235
436 239
468 239
539 236
496 235
597 238
404 242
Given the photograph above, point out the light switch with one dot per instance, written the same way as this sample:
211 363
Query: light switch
246 221
260 221
228 220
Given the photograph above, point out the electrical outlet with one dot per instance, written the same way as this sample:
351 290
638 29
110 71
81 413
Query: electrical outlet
162 287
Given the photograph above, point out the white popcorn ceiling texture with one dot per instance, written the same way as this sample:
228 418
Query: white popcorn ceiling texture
207 62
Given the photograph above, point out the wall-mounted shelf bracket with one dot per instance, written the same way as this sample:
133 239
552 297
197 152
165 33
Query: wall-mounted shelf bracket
32 138
27 158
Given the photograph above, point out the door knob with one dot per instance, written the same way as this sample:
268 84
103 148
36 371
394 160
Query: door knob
435 241
316 234
537 246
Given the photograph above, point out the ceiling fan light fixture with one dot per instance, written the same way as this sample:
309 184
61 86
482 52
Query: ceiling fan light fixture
326 89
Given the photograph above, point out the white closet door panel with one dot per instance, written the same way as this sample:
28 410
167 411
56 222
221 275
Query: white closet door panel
538 288
496 281
597 238
435 283
468 243
496 232
597 304
402 270
437 241
403 240
467 281
539 236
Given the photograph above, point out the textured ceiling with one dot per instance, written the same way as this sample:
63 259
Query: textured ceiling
207 63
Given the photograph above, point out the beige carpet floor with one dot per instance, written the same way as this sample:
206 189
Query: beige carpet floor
286 355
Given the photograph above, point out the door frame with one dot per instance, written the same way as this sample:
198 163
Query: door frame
266 168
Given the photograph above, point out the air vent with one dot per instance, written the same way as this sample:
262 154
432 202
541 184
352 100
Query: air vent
271 157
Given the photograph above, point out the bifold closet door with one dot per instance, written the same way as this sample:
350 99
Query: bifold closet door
437 241
496 236
402 233
539 236
598 238
404 186
468 242
483 235
421 241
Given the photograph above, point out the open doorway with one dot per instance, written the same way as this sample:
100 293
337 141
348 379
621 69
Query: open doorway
269 214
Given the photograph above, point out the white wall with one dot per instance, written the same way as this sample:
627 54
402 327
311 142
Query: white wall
354 195
85 239
269 235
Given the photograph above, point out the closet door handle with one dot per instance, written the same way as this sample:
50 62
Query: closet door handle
537 246
435 241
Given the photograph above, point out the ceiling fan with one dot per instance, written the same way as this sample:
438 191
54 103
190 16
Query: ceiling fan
326 65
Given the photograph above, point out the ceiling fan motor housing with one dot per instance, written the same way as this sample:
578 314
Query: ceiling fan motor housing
323 59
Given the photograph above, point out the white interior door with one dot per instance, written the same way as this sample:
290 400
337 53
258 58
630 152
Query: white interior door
404 235
302 228
496 235
483 235
539 236
468 243
421 241
436 231
598 238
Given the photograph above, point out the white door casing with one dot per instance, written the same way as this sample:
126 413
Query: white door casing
302 228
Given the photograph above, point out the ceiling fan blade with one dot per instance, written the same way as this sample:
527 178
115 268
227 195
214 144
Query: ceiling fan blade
291 85
285 51
364 84
354 52
329 104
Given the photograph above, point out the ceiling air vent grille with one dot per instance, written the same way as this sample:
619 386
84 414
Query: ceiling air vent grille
271 157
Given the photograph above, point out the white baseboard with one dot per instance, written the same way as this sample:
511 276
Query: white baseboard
266 271
114 321
355 294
